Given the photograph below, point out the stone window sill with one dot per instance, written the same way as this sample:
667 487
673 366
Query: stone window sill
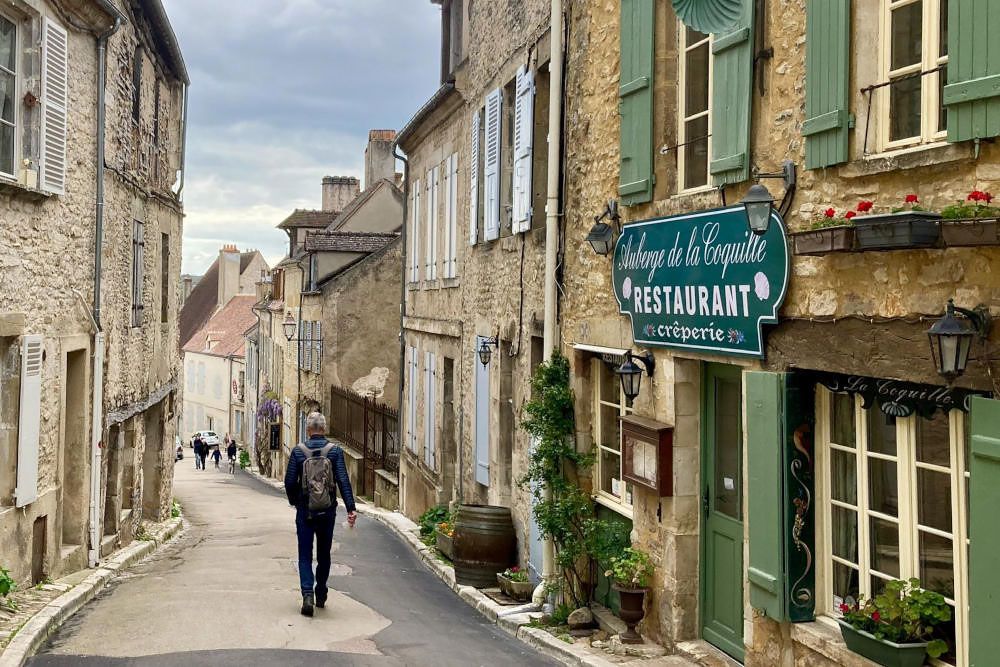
909 158
15 189
823 637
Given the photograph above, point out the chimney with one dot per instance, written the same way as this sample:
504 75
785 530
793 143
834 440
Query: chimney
186 291
229 274
338 191
379 161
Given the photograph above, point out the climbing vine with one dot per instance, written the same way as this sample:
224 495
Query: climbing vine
567 514
268 412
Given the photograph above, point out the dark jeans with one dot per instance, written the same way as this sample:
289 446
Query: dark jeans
319 526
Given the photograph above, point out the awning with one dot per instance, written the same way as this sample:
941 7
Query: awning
610 355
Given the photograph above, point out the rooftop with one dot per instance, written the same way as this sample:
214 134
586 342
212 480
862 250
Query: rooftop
305 218
348 241
222 335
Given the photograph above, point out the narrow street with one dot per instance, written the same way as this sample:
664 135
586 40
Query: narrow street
226 593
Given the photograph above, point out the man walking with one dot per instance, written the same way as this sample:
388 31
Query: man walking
315 467
198 446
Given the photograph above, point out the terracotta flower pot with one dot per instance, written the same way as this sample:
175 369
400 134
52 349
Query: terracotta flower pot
881 651
632 610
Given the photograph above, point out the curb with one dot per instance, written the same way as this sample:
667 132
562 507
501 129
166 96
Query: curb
39 627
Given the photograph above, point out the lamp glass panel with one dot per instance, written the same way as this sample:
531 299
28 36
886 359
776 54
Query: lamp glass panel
758 214
631 382
948 346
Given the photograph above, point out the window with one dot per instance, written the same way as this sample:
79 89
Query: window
475 177
137 84
914 45
138 257
892 504
8 95
313 268
164 277
609 407
507 158
694 108
201 377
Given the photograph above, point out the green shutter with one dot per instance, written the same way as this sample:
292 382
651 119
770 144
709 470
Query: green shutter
984 538
828 42
972 95
765 485
732 85
635 180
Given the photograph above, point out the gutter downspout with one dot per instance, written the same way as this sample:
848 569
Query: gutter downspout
97 376
552 214
402 299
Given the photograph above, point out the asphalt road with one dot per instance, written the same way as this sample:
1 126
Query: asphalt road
226 593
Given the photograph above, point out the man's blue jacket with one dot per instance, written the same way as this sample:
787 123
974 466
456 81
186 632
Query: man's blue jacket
293 475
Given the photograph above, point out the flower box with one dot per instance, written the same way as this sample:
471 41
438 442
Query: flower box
881 651
519 590
906 229
823 241
445 545
970 232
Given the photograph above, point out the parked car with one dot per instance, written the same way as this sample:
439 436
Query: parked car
208 437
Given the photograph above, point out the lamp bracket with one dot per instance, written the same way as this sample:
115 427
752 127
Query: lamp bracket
610 212
980 318
788 174
647 360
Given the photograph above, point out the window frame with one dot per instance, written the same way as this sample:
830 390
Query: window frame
620 503
18 124
930 90
682 50
908 509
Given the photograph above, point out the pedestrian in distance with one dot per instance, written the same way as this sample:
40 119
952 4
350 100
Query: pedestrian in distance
203 455
199 446
216 456
316 469
231 450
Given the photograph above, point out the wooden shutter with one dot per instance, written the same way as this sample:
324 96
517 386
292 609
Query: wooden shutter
635 176
29 421
972 95
415 245
55 97
984 538
474 179
138 270
524 129
317 347
411 439
491 170
482 434
451 206
307 346
828 48
430 272
430 420
732 69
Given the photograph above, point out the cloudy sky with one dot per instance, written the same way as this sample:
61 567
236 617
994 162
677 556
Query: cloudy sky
283 92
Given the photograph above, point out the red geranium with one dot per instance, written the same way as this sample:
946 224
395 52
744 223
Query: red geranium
865 206
829 213
975 195
911 199
876 616
844 608
849 215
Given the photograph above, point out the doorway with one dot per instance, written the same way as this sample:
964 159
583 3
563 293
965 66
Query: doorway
722 509
75 473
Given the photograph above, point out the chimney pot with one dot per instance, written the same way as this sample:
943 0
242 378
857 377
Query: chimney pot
339 191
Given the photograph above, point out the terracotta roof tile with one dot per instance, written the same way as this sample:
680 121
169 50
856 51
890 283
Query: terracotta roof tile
348 241
222 335
304 218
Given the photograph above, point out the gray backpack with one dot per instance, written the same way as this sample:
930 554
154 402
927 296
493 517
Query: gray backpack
317 477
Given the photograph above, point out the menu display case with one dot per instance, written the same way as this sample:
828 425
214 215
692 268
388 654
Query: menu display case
647 453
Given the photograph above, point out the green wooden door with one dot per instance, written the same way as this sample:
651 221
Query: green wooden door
722 510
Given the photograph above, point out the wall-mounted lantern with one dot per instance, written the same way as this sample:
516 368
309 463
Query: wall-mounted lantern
602 235
486 349
631 375
289 326
759 202
951 338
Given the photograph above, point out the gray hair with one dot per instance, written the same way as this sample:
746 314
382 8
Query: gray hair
316 423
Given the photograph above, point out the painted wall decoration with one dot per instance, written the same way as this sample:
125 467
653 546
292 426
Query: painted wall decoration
702 281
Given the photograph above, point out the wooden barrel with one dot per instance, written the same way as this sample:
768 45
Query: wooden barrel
484 544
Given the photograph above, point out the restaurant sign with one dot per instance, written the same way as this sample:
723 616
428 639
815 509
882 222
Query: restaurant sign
702 281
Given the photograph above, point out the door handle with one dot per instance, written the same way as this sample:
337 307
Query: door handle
705 500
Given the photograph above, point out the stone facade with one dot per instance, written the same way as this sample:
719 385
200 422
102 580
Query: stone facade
47 269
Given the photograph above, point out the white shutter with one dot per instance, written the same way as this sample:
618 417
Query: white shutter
482 416
491 170
307 346
474 180
451 216
524 128
317 347
429 410
29 421
412 400
55 95
415 258
432 223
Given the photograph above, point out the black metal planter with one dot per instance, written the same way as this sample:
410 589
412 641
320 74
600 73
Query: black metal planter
823 241
893 231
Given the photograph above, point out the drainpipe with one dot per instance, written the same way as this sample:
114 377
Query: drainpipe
552 228
97 376
402 300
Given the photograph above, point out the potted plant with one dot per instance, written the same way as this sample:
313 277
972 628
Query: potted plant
828 234
971 222
897 627
908 226
514 582
443 534
631 572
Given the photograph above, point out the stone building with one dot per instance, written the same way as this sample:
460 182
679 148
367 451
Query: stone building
476 188
88 341
815 457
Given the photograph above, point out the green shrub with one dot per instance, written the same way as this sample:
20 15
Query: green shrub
431 518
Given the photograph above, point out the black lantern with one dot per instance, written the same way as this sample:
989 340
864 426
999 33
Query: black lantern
951 338
601 238
485 350
631 375
289 326
758 203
